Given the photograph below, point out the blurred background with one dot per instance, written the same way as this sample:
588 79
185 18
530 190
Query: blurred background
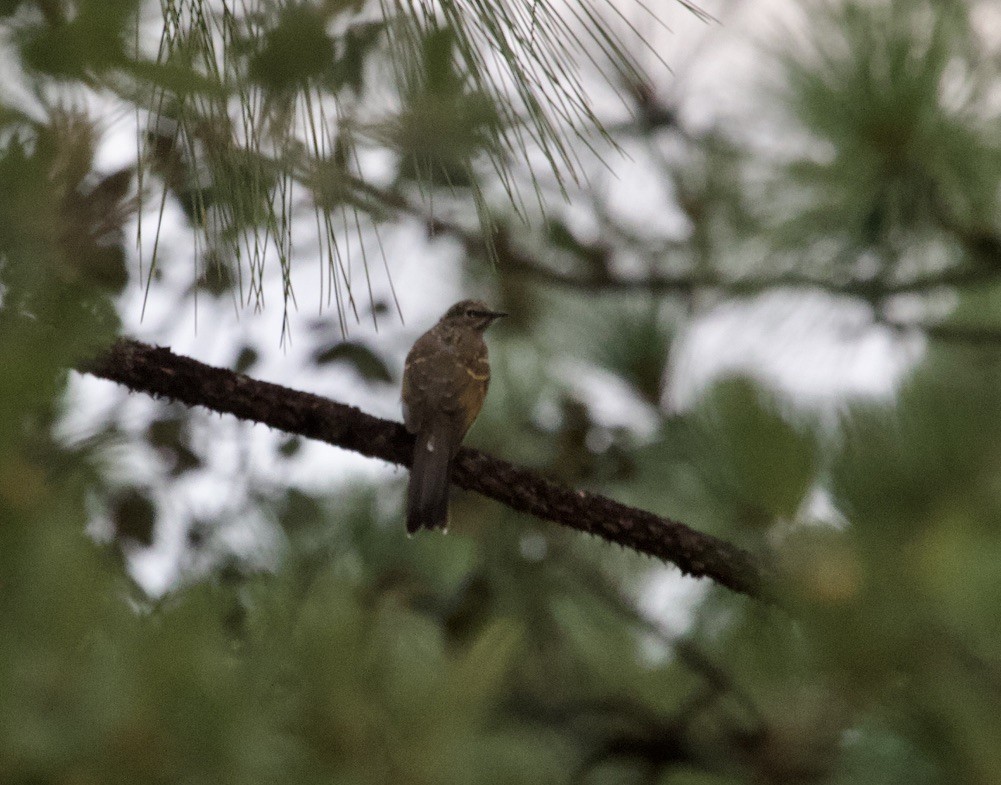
751 250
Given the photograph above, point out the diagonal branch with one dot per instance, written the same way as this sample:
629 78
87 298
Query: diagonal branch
163 374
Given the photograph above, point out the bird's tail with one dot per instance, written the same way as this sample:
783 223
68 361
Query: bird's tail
427 495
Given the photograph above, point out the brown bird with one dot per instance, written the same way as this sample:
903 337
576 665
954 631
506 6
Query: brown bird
445 381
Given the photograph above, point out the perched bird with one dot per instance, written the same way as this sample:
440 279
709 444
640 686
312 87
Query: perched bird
445 380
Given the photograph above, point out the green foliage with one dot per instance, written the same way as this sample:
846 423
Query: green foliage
73 43
443 126
296 29
249 102
507 651
875 84
637 347
764 463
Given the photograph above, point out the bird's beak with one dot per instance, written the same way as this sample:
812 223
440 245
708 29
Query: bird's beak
494 315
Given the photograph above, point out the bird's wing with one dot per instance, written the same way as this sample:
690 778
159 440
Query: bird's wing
442 379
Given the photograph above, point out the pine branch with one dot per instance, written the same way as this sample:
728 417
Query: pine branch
159 372
984 249
969 334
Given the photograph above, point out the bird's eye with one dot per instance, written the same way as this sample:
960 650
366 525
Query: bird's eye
470 312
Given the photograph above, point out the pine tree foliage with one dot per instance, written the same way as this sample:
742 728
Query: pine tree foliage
261 110
508 651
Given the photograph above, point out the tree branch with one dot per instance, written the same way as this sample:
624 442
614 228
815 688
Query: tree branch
163 374
984 248
971 334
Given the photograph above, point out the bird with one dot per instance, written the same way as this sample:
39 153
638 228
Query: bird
445 381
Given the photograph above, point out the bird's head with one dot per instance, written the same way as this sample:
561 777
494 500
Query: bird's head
474 314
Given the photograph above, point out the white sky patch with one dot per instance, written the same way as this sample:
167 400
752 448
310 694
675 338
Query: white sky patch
671 599
819 349
819 509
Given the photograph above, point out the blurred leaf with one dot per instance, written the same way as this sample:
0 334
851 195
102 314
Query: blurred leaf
443 125
133 515
300 513
354 46
745 442
170 436
573 459
636 345
167 431
440 75
366 362
296 50
106 268
942 428
173 78
91 40
217 278
246 359
290 447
